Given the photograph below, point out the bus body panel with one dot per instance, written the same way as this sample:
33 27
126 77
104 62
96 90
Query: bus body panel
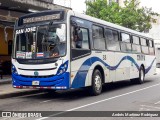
123 68
150 67
79 71
118 65
134 71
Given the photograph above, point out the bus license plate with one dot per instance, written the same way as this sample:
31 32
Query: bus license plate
35 82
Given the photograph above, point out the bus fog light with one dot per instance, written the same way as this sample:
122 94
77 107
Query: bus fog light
56 64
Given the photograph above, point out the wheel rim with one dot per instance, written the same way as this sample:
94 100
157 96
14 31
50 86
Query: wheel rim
97 82
142 75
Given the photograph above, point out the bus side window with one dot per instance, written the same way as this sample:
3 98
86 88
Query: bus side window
80 38
80 42
84 36
112 40
126 42
151 47
98 37
144 46
136 48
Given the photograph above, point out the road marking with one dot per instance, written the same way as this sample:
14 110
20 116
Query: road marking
150 106
45 101
35 94
100 101
144 109
157 102
4 118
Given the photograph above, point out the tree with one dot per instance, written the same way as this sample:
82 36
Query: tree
130 16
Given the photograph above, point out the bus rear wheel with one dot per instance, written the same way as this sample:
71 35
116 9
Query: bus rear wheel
141 77
96 87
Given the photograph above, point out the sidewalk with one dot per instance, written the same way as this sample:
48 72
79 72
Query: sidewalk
6 89
6 79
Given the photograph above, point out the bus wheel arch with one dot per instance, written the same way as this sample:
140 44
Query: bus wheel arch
100 68
97 80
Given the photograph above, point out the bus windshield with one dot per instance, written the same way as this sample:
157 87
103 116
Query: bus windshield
47 41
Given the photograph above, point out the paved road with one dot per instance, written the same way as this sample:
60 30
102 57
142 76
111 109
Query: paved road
119 96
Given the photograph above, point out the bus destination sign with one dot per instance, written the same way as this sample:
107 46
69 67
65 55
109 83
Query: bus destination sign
41 18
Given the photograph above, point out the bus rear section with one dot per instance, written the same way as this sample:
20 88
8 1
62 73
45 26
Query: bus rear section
40 57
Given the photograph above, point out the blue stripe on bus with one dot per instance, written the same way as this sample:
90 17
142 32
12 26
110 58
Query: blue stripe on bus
57 80
79 80
147 70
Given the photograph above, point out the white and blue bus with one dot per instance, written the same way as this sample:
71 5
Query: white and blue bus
61 50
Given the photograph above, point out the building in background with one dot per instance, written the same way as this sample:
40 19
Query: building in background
154 32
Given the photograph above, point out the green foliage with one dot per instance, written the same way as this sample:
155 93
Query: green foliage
130 16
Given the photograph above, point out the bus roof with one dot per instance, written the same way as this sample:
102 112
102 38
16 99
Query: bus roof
115 26
89 18
43 12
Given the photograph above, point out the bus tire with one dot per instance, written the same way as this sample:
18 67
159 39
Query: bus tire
96 87
141 77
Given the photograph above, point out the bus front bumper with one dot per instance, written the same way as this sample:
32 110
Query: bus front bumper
58 82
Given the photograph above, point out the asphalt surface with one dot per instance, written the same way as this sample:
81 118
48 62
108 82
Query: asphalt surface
119 96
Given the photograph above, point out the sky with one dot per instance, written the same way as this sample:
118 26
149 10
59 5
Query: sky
79 5
155 4
76 5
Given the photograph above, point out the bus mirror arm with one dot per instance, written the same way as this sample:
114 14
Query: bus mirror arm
73 23
5 34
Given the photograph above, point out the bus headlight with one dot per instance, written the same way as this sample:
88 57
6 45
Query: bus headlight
14 71
63 68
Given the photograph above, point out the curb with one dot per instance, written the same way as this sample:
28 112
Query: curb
19 93
5 82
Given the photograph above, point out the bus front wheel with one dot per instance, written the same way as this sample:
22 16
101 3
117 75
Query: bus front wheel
96 87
